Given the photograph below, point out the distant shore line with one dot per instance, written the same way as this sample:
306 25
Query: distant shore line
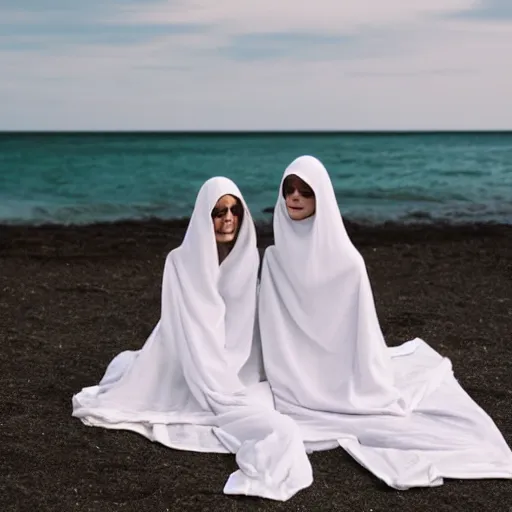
182 222
231 133
387 230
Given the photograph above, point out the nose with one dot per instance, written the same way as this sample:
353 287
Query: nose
295 195
228 217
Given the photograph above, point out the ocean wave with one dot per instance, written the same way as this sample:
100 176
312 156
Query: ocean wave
88 213
475 214
80 214
405 194
461 173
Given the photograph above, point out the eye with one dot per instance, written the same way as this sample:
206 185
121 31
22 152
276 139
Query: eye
219 213
237 210
306 193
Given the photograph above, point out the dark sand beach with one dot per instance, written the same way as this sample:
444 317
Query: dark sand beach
73 297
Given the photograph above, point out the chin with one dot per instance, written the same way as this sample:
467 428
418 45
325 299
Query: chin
224 238
297 215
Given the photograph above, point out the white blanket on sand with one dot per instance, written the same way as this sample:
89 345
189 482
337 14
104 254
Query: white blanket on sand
398 411
195 384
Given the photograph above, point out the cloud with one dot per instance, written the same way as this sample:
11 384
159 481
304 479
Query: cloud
409 74
192 64
52 6
488 10
42 38
328 16
279 45
239 29
56 23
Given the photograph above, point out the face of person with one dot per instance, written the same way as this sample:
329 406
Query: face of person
227 218
299 197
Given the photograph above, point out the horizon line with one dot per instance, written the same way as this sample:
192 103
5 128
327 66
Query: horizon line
258 132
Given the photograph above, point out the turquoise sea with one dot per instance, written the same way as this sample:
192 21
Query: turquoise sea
76 178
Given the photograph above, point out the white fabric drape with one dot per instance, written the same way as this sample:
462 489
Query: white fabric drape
399 412
195 384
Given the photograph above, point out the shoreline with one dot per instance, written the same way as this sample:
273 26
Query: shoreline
56 238
264 223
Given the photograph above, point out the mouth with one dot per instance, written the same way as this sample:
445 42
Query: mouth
296 208
226 232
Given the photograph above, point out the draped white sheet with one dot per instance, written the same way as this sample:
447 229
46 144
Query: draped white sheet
195 384
399 412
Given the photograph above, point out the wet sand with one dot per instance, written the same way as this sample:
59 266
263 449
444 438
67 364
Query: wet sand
73 297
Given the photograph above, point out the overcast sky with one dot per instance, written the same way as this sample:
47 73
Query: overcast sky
255 64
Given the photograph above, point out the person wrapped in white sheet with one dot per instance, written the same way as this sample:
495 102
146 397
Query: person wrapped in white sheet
398 411
195 384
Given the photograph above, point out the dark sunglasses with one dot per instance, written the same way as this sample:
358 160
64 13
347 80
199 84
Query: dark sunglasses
237 210
288 190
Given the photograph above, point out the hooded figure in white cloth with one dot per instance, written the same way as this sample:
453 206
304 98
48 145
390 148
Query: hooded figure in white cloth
195 384
398 411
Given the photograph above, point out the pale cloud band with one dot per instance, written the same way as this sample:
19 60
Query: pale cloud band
323 64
